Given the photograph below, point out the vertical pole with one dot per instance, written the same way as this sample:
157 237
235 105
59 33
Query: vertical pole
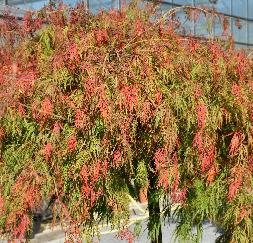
247 22
87 4
5 2
194 24
119 4
231 22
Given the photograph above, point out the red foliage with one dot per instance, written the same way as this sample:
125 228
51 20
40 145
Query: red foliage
211 174
48 149
225 26
126 235
79 119
2 208
236 90
246 212
25 82
146 109
117 158
139 27
73 53
101 36
130 100
233 189
237 174
198 142
46 108
179 196
236 141
1 133
72 142
21 110
208 158
193 14
201 115
158 98
89 179
164 179
161 157
238 23
56 128
103 106
20 228
193 45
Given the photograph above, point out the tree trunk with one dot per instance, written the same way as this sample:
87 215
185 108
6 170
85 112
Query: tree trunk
154 224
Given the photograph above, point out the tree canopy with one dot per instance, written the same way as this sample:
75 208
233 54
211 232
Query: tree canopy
90 103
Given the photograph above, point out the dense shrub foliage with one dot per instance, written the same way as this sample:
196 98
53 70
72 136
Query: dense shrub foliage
91 103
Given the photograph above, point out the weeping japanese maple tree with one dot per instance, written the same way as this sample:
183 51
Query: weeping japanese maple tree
90 103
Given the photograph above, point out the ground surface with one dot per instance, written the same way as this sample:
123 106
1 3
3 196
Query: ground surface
57 236
138 213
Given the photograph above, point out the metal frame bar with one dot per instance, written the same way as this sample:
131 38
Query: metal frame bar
247 15
194 24
227 15
119 4
231 16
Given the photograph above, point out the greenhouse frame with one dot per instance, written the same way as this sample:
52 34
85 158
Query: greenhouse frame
235 11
